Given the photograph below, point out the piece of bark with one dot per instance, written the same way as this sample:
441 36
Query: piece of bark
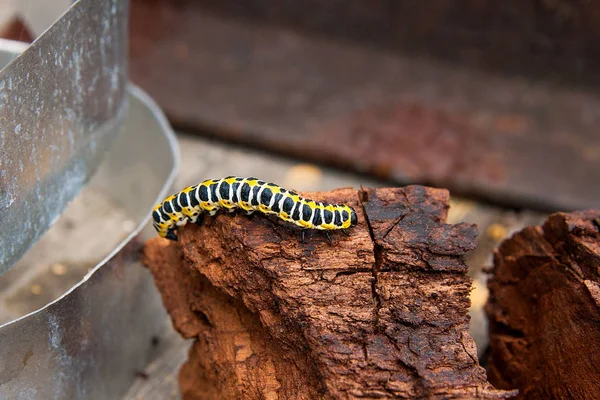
544 309
15 29
382 313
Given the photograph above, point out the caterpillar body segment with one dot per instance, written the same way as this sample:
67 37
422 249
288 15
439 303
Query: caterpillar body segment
248 194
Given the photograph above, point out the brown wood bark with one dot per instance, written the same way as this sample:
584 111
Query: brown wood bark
544 309
15 30
382 313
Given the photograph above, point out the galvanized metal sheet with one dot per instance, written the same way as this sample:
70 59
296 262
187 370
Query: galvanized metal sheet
61 103
89 343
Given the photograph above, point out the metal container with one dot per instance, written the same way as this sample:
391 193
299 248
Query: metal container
62 101
89 342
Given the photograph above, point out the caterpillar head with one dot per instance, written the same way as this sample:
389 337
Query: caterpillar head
353 217
349 217
162 226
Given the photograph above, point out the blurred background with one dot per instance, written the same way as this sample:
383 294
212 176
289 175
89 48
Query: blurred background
496 101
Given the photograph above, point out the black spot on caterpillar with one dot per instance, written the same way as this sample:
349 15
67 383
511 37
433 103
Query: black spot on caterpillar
248 194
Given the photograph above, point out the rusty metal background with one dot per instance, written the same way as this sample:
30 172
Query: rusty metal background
91 341
508 140
62 101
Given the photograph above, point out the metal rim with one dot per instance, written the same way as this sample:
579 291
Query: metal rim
174 149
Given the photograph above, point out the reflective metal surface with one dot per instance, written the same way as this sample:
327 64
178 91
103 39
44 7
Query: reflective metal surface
89 343
9 50
61 103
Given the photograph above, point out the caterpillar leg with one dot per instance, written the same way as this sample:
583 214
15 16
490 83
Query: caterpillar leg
303 235
344 232
171 235
200 220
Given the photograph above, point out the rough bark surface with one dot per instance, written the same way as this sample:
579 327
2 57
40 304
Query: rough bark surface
544 309
381 313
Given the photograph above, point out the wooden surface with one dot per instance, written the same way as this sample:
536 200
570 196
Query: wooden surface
15 29
382 312
397 117
552 38
544 309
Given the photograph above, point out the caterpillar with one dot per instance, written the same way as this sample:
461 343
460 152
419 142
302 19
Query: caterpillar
250 195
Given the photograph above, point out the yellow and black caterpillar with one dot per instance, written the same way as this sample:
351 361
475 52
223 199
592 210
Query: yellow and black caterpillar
248 194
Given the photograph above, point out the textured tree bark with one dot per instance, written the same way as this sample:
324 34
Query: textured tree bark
544 309
381 313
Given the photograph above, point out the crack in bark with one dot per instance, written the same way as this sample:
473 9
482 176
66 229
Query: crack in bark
397 221
203 318
351 272
418 386
462 342
378 253
596 222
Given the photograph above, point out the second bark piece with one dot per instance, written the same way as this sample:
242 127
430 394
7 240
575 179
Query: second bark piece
544 309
